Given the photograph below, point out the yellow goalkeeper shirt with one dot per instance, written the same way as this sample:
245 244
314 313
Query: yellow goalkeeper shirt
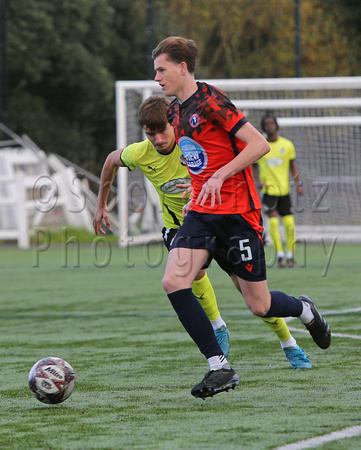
164 172
274 167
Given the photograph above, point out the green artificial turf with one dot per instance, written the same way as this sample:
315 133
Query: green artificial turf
103 310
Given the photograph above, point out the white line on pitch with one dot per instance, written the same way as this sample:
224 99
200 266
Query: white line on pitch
335 312
329 313
314 442
332 312
350 336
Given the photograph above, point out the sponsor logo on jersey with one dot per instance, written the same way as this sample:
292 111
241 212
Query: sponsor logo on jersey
274 162
170 187
194 154
194 121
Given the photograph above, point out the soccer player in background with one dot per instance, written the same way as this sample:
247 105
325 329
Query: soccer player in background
160 159
272 174
219 146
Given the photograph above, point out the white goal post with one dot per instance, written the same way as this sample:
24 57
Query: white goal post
322 116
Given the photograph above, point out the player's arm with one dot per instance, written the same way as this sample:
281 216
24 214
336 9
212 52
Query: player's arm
109 171
256 147
295 176
255 170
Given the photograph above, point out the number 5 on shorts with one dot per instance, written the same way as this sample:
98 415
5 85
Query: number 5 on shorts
246 250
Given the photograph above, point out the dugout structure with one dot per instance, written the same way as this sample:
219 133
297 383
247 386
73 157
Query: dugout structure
322 116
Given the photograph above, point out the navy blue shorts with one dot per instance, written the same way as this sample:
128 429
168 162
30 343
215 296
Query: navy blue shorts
170 233
233 240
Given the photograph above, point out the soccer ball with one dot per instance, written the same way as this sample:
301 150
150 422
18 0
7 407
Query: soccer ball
51 380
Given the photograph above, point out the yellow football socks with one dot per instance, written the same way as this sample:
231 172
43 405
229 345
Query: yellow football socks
204 292
275 233
279 327
289 224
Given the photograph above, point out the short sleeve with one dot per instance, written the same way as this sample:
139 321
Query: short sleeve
127 156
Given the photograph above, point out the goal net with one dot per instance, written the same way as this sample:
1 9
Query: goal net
322 116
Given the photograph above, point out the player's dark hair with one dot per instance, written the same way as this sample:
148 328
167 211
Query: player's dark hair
268 116
153 113
178 50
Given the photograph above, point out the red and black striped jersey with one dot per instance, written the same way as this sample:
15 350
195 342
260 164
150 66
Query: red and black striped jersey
205 126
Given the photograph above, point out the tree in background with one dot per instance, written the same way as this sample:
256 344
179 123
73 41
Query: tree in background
255 39
64 56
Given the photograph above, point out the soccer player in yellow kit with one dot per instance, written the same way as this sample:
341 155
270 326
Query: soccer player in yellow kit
272 172
161 161
158 158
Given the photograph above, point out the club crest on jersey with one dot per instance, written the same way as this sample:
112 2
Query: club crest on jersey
194 121
182 160
195 155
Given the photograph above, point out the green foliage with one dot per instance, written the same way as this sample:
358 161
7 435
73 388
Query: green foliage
135 365
63 61
64 56
256 39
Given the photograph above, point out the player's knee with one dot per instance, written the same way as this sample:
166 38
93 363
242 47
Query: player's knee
173 283
168 284
259 310
257 306
258 298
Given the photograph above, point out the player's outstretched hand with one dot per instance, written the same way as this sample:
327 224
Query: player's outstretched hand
211 188
100 214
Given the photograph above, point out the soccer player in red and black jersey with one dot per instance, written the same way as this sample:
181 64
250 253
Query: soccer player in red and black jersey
219 147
